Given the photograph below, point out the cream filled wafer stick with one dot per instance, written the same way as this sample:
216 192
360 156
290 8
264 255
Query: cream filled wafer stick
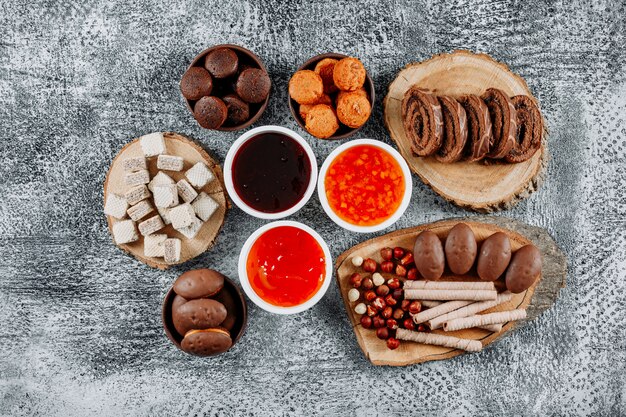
492 327
449 285
439 310
448 295
484 319
429 303
439 340
470 310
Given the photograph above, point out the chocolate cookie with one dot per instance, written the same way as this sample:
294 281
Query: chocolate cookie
238 110
196 83
207 342
210 112
198 314
222 62
199 283
454 132
503 122
479 138
253 85
232 308
529 129
422 120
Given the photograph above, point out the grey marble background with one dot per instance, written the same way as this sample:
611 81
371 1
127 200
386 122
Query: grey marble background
80 321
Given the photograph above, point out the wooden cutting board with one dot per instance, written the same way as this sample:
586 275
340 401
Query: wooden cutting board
471 185
538 298
192 153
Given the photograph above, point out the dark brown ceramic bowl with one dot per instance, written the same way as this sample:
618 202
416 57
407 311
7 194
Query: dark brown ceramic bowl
247 58
343 131
238 328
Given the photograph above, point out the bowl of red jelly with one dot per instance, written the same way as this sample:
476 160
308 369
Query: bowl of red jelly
270 172
285 267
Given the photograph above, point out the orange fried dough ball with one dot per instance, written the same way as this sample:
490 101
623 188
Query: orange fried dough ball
321 121
349 74
325 70
305 108
361 91
306 87
353 109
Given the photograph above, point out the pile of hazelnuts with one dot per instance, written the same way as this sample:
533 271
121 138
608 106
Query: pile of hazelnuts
382 305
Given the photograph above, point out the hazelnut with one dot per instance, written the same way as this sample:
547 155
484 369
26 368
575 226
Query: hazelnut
392 324
398 252
382 333
378 279
411 274
370 265
407 259
369 295
382 290
422 328
367 284
387 312
408 324
415 307
390 300
386 266
356 280
394 283
379 303
366 322
404 305
398 293
386 253
371 311
400 271
393 343
360 309
398 314
357 261
378 322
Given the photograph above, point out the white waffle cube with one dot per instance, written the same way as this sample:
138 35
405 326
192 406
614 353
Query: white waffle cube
137 178
125 232
204 206
140 210
137 194
192 230
153 245
154 223
171 250
165 195
186 191
152 144
134 164
115 206
161 178
199 175
170 162
165 214
182 216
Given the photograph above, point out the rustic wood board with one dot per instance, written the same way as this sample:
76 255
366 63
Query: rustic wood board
192 153
535 300
471 185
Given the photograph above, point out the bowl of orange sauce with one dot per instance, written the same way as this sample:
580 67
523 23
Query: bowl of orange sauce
285 267
365 185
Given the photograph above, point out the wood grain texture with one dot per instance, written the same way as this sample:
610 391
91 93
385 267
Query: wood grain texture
81 332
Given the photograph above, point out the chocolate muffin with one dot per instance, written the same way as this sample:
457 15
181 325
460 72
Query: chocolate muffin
238 110
210 112
196 83
253 85
222 62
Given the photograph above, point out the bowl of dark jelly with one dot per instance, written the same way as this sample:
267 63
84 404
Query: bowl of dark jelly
270 172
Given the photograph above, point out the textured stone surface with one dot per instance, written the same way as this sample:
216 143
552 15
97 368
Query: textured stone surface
81 331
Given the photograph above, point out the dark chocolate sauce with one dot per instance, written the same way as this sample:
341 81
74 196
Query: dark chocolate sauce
271 172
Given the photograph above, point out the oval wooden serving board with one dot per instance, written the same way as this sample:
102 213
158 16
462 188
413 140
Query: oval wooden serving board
192 153
476 186
535 300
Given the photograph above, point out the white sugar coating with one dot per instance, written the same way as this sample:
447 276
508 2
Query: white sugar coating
153 245
378 279
357 261
186 191
151 225
115 206
199 175
171 250
140 210
134 163
192 230
166 195
137 178
124 232
182 216
152 144
204 206
160 178
136 194
170 162
165 214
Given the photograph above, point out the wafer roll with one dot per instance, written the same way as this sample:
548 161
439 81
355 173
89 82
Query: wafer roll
439 340
484 319
445 295
449 285
423 121
470 310
529 129
428 303
454 132
503 122
439 310
479 138
492 327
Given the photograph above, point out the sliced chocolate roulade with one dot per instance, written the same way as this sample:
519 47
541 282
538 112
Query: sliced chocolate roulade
454 130
479 136
503 122
423 122
529 130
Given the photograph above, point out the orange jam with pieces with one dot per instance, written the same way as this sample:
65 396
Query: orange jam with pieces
286 266
364 185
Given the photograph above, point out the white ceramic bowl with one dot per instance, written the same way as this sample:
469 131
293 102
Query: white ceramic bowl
406 199
245 282
228 172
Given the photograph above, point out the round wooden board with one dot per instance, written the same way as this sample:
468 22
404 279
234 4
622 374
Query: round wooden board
535 300
192 153
476 186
